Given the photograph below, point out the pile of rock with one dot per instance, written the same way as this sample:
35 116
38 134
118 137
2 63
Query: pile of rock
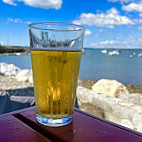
25 75
111 88
15 95
12 70
8 69
111 100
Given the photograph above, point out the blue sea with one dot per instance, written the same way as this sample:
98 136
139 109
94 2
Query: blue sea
125 67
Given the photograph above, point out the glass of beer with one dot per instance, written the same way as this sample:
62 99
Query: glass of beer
56 50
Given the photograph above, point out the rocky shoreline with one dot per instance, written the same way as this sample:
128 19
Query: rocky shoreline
11 83
131 88
12 76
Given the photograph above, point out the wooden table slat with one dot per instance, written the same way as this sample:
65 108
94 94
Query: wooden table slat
83 128
13 130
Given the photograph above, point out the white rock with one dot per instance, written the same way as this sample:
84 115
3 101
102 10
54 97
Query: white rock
79 83
139 129
127 123
8 69
24 72
110 88
23 75
114 109
137 120
135 98
30 79
23 78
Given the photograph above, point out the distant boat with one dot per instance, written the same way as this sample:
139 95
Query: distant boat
114 52
140 55
130 56
18 54
104 51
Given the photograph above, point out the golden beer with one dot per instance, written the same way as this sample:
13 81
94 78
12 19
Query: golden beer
55 75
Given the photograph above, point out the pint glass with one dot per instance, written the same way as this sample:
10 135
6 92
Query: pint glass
56 50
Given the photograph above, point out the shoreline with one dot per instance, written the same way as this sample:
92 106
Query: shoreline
15 75
13 49
11 83
15 53
131 88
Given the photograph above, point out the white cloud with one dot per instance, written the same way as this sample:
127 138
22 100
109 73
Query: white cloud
140 14
108 19
139 28
108 42
14 20
135 43
46 4
137 21
88 32
133 7
9 2
17 20
121 1
96 35
101 30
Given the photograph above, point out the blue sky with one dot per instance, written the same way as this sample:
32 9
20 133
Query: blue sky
109 23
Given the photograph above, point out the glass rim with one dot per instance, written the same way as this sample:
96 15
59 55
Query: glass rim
32 25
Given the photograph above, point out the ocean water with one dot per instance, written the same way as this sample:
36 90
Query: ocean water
21 61
125 67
